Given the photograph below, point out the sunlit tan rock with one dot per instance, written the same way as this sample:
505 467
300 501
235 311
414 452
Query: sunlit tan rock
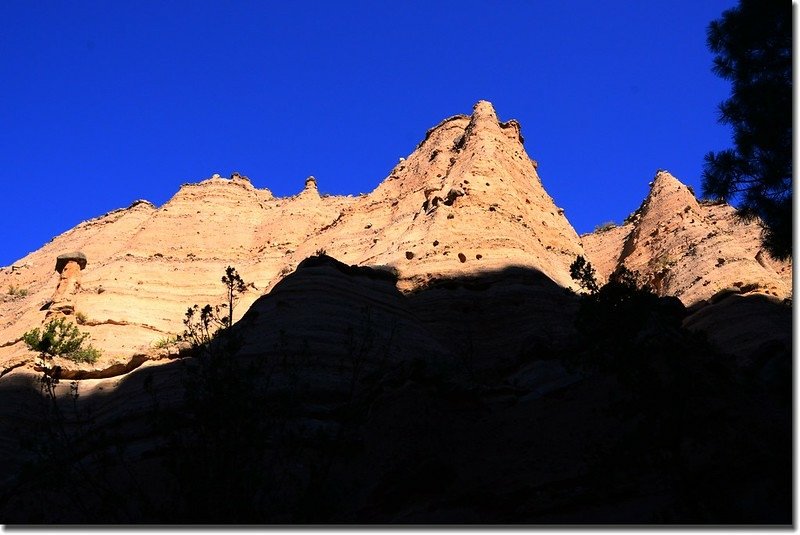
468 200
68 266
689 249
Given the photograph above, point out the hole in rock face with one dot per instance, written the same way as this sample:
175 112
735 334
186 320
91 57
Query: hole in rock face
462 257
435 243
409 255
450 216
478 256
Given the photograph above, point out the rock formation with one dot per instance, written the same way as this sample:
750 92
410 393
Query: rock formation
467 200
701 253
423 328
690 249
68 266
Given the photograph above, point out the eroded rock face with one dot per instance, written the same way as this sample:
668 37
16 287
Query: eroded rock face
702 254
427 347
415 403
468 200
688 249
69 266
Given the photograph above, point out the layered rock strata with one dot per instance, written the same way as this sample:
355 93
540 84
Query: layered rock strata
68 266
468 200
410 346
689 249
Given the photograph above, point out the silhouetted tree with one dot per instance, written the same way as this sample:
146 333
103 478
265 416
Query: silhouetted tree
583 273
614 319
753 47
234 286
203 324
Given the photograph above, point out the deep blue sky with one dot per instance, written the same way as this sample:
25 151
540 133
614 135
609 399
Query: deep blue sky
106 102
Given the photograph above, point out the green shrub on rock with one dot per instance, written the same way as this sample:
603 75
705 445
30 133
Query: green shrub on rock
61 338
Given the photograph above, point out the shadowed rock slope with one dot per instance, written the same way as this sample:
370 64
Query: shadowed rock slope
414 354
701 253
409 408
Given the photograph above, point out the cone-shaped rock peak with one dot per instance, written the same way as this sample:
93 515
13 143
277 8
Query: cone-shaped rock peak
689 249
468 200
417 337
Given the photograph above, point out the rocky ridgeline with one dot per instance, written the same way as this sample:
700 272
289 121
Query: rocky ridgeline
689 249
699 252
427 347
467 201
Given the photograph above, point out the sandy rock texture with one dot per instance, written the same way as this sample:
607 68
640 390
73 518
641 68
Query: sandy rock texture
467 200
688 249
400 356
703 254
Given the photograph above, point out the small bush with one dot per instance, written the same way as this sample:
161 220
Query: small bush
16 291
583 273
165 342
664 262
608 225
61 338
81 318
206 323
88 354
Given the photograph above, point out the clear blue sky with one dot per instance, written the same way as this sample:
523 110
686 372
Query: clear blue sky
106 102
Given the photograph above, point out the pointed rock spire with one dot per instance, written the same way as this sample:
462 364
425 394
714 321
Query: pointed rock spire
686 248
471 188
310 189
483 111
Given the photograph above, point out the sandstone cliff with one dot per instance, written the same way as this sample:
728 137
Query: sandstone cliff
700 252
687 248
467 200
399 356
